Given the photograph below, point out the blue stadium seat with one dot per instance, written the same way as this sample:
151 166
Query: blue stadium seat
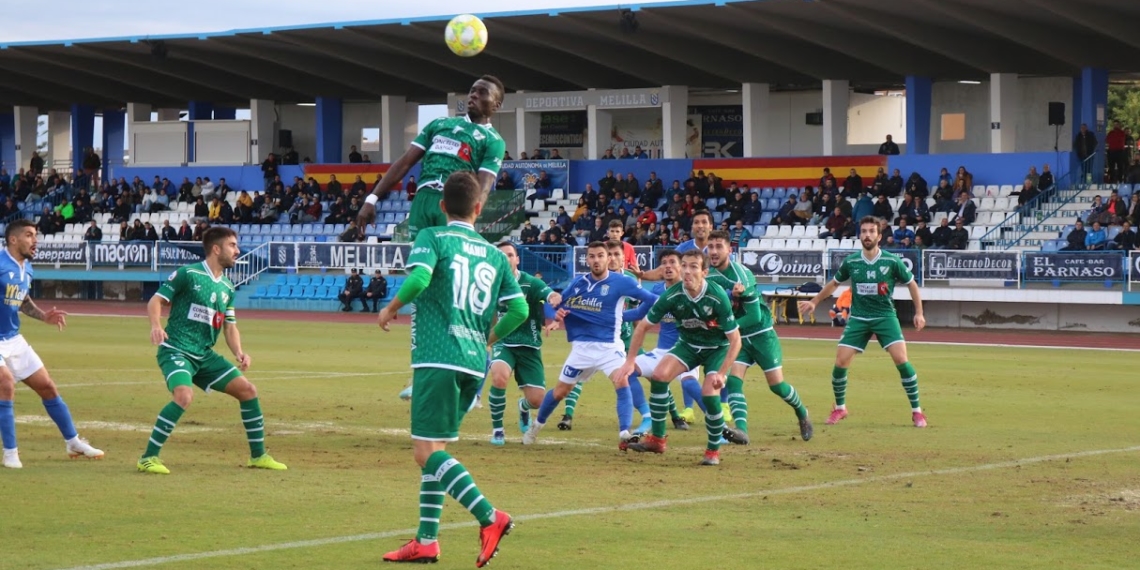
711 203
331 293
339 281
283 293
260 292
766 193
326 229
1065 232
293 281
1125 191
1113 231
273 292
765 219
321 293
310 292
280 281
339 229
328 281
305 280
772 205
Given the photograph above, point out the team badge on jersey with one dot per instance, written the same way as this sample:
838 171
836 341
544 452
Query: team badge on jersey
605 290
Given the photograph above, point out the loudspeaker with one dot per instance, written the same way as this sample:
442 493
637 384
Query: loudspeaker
1056 113
813 118
285 138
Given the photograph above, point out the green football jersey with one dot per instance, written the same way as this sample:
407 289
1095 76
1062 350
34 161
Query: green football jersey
529 333
452 144
702 321
627 327
199 305
873 283
747 303
469 278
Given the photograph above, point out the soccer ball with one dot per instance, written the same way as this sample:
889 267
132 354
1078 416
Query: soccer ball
466 35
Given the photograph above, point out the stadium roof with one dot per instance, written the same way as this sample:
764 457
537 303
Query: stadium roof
715 45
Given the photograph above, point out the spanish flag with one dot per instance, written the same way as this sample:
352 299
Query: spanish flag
346 173
789 172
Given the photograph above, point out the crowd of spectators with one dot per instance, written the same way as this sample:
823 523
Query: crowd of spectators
1108 224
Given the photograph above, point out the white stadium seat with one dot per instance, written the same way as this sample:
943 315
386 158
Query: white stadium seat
992 190
772 231
792 244
1006 190
799 231
785 231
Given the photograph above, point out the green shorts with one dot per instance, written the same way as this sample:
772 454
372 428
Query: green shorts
525 361
763 350
858 332
710 358
425 212
441 399
212 372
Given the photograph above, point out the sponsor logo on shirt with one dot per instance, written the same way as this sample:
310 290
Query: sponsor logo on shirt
446 145
589 304
866 289
205 315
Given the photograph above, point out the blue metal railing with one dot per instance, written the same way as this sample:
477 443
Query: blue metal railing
553 262
1064 190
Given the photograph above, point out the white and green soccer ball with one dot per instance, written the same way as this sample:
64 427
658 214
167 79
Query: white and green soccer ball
466 35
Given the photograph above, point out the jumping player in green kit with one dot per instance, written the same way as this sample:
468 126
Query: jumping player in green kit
873 274
446 145
201 300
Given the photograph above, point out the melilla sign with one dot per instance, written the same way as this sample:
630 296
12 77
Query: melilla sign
575 100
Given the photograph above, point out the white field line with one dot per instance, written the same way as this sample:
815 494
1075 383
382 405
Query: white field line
629 507
783 337
298 376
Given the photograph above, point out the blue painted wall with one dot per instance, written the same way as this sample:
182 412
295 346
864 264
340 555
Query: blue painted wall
238 177
590 171
1007 168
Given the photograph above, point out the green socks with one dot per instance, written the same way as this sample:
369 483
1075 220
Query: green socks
788 393
497 400
659 396
453 478
910 384
431 507
839 386
737 404
572 399
714 421
163 426
673 413
254 427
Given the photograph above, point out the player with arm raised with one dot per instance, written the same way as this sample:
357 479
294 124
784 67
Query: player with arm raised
760 345
18 361
591 312
520 351
701 228
873 274
457 280
446 145
201 300
709 336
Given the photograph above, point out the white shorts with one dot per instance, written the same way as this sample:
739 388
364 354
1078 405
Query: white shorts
586 358
649 361
18 356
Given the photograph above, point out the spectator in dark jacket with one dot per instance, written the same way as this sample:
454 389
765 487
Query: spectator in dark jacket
941 236
353 289
168 232
959 236
1084 145
889 147
835 225
1076 238
376 292
93 233
882 209
185 232
966 209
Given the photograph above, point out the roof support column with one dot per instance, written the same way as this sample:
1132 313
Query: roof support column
82 133
1004 95
392 126
527 130
836 98
330 129
1090 98
755 97
26 122
136 113
599 126
262 129
59 140
674 113
198 111
919 92
411 128
8 141
114 132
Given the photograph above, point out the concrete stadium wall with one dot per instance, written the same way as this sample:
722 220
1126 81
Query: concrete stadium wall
1033 316
238 177
1009 168
1033 131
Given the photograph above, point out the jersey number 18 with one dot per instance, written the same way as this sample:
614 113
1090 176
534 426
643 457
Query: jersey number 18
465 295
